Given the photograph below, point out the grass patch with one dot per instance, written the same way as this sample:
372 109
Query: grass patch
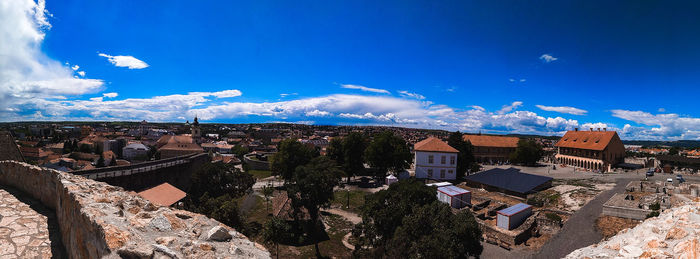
548 197
582 183
260 174
357 199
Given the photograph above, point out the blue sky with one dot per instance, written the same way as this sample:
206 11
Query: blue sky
540 67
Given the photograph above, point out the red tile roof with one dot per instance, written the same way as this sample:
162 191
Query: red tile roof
492 141
593 140
434 144
163 194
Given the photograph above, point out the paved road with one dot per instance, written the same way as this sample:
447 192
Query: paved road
579 231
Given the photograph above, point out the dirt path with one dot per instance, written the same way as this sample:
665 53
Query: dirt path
579 231
352 217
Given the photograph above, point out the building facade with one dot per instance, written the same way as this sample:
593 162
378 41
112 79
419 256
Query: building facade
592 150
435 159
492 149
135 151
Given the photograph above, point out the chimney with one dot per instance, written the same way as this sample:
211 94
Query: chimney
591 129
575 129
605 129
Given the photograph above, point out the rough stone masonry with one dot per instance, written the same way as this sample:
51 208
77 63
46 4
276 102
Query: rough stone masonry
99 220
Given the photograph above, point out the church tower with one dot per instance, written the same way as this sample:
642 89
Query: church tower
196 131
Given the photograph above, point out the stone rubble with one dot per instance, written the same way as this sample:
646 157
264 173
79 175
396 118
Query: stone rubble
100 220
673 234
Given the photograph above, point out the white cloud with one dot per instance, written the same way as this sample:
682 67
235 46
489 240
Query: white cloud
662 110
226 94
364 88
523 80
547 58
563 109
96 99
411 95
508 108
285 95
81 73
25 72
317 113
110 95
125 61
663 126
75 67
511 80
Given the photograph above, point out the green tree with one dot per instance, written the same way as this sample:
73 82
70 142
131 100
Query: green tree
290 155
85 148
267 192
528 152
433 231
312 189
388 152
384 211
354 146
239 151
407 220
673 151
465 158
67 147
274 231
218 179
100 162
335 151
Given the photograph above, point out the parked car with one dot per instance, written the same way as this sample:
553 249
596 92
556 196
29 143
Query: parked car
650 172
670 180
680 178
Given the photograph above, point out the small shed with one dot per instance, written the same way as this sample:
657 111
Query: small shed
391 179
511 217
455 196
439 184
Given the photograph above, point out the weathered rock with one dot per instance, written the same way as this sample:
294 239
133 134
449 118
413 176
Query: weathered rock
218 233
165 250
135 252
99 220
673 234
160 223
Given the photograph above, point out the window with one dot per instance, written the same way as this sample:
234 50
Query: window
443 159
430 173
442 173
430 159
449 172
452 160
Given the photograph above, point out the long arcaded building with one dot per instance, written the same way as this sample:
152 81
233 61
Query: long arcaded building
593 149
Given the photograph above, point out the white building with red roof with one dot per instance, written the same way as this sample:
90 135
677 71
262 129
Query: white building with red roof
435 159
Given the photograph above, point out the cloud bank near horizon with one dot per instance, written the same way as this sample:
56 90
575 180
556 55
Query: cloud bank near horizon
36 87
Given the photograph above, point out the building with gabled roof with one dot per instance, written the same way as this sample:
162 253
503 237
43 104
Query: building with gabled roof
492 149
591 150
163 194
435 159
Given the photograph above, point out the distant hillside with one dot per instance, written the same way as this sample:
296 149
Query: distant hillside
677 143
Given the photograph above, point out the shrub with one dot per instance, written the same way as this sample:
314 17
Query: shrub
653 214
655 206
553 216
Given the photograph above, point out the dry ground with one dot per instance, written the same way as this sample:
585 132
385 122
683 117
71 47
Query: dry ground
609 226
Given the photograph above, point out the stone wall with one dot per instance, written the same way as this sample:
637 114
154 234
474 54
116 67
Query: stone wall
99 220
255 164
508 239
